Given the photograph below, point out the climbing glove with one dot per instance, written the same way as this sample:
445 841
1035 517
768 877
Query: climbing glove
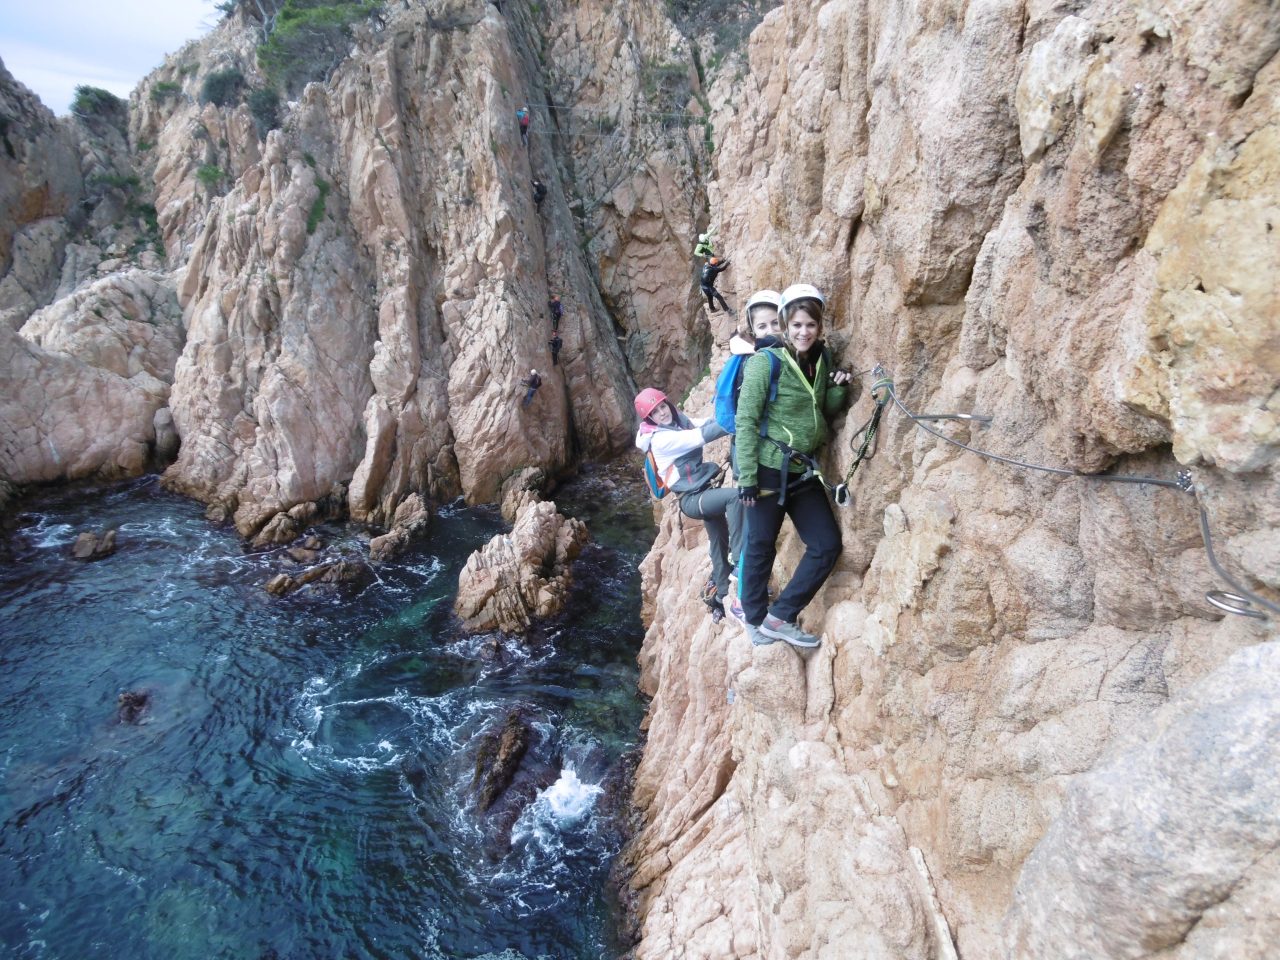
748 493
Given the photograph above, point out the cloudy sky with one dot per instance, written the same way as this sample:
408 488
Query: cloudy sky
52 46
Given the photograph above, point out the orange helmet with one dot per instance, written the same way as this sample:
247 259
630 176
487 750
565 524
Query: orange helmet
647 401
714 261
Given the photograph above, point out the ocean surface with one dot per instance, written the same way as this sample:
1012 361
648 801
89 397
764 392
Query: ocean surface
300 782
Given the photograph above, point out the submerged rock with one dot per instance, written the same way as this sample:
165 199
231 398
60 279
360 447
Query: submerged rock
499 756
131 704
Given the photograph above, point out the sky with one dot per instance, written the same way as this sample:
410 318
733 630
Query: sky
53 46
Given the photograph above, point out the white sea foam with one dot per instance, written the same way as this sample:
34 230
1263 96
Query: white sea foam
45 536
569 799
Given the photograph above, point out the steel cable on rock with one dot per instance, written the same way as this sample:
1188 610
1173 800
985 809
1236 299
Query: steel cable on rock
1239 602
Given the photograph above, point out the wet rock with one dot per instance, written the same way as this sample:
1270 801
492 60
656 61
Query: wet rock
131 704
519 490
336 571
523 575
411 519
94 546
302 555
498 757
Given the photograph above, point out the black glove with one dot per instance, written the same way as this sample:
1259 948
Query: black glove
748 493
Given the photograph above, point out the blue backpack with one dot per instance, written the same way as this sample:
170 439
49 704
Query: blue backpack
657 486
729 384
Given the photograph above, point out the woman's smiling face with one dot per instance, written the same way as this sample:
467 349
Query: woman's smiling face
661 414
803 329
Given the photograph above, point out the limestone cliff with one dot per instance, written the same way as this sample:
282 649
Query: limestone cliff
1026 734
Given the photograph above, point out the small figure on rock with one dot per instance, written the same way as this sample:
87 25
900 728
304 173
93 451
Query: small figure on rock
131 704
555 343
710 271
557 311
523 116
533 382
539 193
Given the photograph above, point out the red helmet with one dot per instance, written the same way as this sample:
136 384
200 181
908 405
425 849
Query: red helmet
647 401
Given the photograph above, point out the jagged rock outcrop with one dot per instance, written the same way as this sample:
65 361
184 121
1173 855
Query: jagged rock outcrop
364 298
40 185
1018 715
521 576
411 519
84 383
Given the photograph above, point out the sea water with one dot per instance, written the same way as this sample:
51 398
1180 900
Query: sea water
299 785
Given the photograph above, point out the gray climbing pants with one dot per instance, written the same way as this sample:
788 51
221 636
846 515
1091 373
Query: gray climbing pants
720 511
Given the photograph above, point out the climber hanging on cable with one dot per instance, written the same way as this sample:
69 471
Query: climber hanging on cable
533 382
539 193
557 311
555 343
522 115
710 271
675 443
776 471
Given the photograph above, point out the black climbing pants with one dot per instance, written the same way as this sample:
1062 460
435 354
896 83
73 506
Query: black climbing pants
810 511
709 291
721 514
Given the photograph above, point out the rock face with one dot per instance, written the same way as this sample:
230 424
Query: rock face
1017 739
84 382
365 296
521 576
360 292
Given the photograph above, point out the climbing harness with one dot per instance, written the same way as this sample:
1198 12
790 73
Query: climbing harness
1240 600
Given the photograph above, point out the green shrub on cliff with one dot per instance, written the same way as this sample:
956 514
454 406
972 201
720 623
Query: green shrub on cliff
210 175
222 87
309 39
265 107
95 102
164 90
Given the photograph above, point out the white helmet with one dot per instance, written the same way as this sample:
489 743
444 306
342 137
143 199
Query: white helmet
763 298
797 292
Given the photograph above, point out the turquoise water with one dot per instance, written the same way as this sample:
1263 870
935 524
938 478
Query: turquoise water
299 785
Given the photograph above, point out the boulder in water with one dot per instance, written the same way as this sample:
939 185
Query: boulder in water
411 518
94 546
523 575
499 757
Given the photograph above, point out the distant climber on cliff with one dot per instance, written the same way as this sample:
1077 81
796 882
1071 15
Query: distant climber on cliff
775 470
703 248
523 116
675 443
555 343
533 382
710 270
539 193
557 311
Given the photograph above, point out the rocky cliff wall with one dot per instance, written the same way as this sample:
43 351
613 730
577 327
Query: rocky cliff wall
1017 738
363 288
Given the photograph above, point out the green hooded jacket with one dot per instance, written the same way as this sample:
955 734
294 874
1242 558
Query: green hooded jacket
797 417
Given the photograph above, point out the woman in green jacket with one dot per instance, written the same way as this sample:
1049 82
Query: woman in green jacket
809 391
